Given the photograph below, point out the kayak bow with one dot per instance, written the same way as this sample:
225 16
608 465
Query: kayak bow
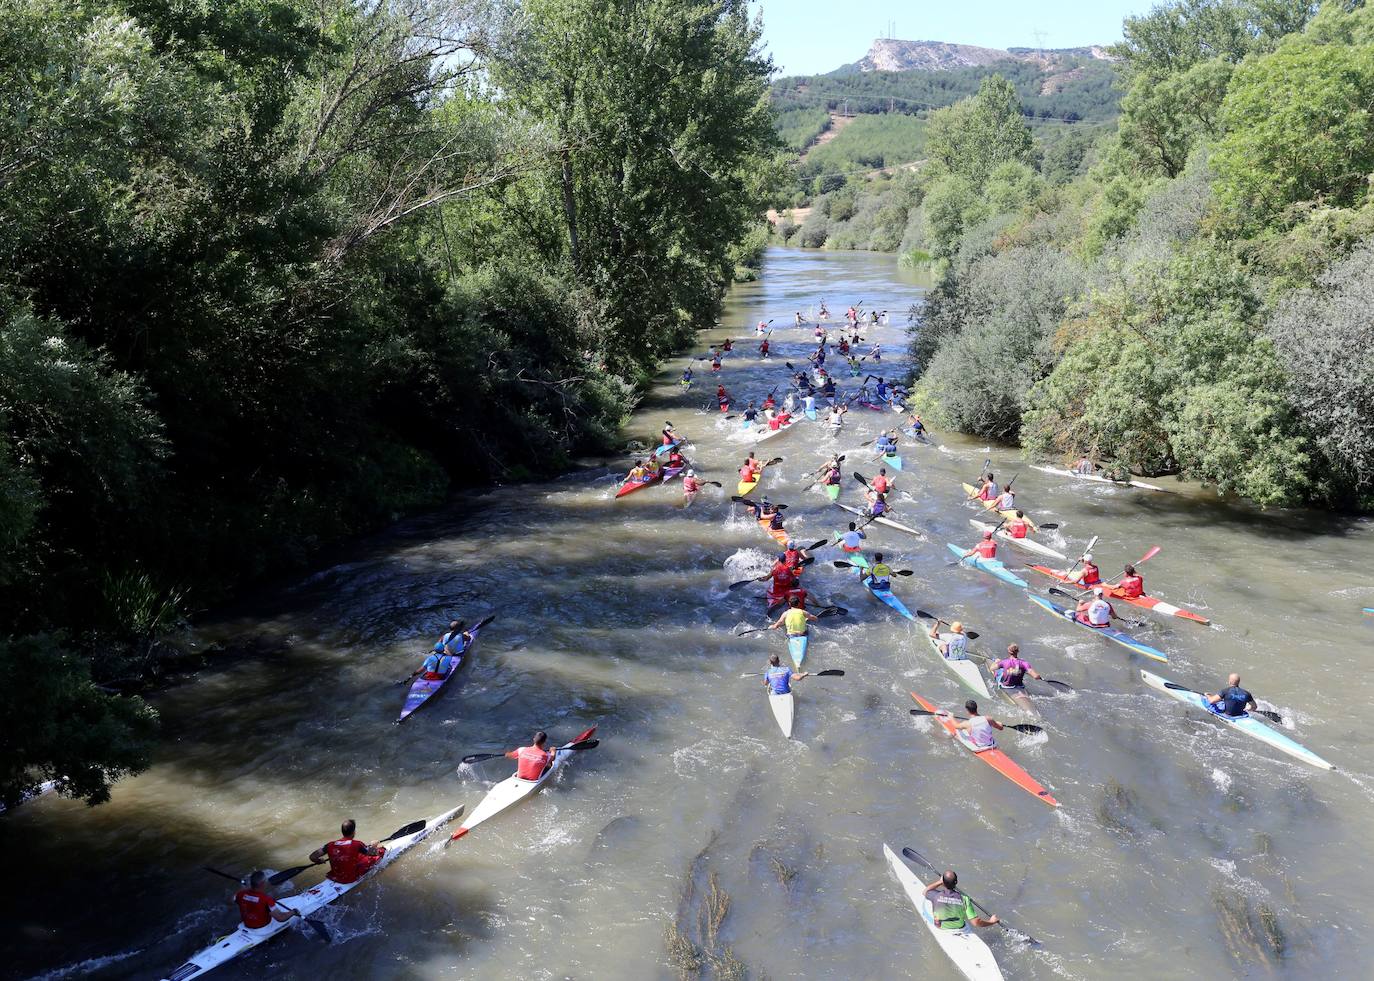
992 567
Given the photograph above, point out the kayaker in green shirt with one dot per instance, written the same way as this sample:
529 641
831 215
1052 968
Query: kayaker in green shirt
951 908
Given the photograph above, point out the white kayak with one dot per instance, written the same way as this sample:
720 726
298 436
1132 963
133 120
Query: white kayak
784 708
513 790
964 947
770 433
1247 723
243 939
884 521
1095 478
1028 544
964 669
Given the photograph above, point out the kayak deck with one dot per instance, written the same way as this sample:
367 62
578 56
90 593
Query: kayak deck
422 691
970 954
1111 633
512 790
992 567
1029 544
1152 603
964 669
994 758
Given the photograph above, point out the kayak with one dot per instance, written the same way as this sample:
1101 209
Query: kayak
784 710
970 954
964 669
745 486
228 947
993 757
1151 603
1094 477
884 521
630 486
970 492
778 535
992 567
666 448
1247 723
832 491
513 790
1111 633
810 414
796 646
1369 609
893 461
770 433
886 596
1028 544
422 691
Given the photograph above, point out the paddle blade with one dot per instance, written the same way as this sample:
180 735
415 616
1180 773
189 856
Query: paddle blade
842 564
408 829
277 878
320 930
479 757
483 623
584 744
737 585
833 611
830 673
1026 727
1149 555
860 478
815 545
920 712
1058 684
912 855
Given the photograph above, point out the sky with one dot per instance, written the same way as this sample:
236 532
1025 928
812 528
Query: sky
807 37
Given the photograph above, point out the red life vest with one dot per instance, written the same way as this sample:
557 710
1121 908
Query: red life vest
1091 576
1132 586
987 549
880 484
1018 528
530 762
254 907
347 860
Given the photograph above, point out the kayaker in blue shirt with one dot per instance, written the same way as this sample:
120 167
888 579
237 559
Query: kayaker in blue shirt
1232 701
779 678
886 444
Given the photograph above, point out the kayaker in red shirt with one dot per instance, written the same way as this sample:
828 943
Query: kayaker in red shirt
880 483
1132 584
986 549
722 397
769 403
763 348
256 904
729 345
715 362
780 420
1018 527
794 555
669 434
843 346
1091 575
532 760
349 858
676 459
690 485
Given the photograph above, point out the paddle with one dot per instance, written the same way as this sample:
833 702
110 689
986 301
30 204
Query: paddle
970 634
473 630
277 878
816 474
828 673
1049 681
1025 727
915 856
1068 574
1154 550
829 611
318 927
841 564
1067 595
1271 716
479 757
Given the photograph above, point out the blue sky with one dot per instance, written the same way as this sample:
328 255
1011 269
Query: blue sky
806 37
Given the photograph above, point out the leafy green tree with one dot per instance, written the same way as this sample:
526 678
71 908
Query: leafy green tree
1163 119
971 138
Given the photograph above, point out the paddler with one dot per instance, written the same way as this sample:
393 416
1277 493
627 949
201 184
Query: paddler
676 461
985 549
851 541
794 619
751 414
794 555
769 402
880 483
877 503
828 389
531 761
686 380
978 727
1095 611
728 346
1131 583
669 434
824 313
1091 575
877 353
836 418
690 486
833 476
809 404
638 473
843 346
722 398
1019 526
749 470
799 319
763 349
1232 701
441 660
987 488
1010 672
715 361
951 909
917 427
886 444
765 511
855 366
349 858
1006 501
1084 466
953 644
879 575
778 678
256 904
762 328
780 421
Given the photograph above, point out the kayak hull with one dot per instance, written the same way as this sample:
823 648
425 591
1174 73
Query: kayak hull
422 691
992 567
832 491
1247 724
796 648
1028 544
784 711
1151 603
745 487
513 790
1110 633
1095 478
895 462
968 952
777 534
995 758
630 486
770 433
884 521
243 939
962 668
886 596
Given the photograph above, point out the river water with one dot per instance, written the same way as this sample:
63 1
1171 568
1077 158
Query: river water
695 831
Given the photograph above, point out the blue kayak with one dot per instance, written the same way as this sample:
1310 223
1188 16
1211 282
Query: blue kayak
1111 633
992 567
885 595
893 461
668 448
796 646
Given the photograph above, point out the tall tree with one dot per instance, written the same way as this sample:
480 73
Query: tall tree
971 138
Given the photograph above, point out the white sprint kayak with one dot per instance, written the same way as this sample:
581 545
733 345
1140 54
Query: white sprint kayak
513 790
1247 723
883 521
784 708
964 669
964 947
227 948
1029 544
1095 478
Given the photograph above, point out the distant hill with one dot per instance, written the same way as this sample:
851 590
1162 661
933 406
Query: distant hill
1059 90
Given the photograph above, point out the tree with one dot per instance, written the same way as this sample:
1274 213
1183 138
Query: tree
972 137
1161 120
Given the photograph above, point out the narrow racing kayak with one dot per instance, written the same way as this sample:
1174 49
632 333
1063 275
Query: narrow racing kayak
964 669
422 691
1111 633
770 433
784 710
886 596
796 646
745 486
242 939
993 757
1151 603
665 448
992 567
964 947
971 493
630 486
810 414
1095 478
1026 543
832 491
884 521
893 461
513 790
778 535
1247 723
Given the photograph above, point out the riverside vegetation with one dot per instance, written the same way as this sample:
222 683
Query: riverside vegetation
278 271
1181 293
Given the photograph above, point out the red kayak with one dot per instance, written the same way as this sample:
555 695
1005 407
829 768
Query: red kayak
1114 592
630 486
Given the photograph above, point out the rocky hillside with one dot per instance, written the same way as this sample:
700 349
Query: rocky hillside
888 55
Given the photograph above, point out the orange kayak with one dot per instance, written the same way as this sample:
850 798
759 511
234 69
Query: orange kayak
994 758
1153 603
777 534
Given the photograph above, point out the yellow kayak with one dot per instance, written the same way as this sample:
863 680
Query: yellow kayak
971 493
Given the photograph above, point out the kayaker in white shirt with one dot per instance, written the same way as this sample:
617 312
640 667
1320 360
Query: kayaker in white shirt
1096 612
953 644
978 727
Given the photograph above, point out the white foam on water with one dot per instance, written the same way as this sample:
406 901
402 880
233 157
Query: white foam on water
1221 778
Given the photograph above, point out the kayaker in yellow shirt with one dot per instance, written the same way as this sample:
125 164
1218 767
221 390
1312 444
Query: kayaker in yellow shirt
795 618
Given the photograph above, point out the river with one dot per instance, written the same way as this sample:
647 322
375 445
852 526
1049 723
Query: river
1181 850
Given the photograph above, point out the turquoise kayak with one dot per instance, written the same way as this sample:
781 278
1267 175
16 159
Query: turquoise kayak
992 567
893 461
1111 633
885 595
1246 723
796 646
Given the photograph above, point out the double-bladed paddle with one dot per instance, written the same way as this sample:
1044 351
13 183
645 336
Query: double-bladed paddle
829 611
827 673
841 564
1067 595
478 627
993 660
1271 716
913 855
927 615
584 744
1025 727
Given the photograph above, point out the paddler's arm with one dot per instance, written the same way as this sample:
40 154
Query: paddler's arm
319 855
980 921
994 723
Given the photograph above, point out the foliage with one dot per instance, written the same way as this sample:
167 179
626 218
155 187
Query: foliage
799 127
868 143
971 138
